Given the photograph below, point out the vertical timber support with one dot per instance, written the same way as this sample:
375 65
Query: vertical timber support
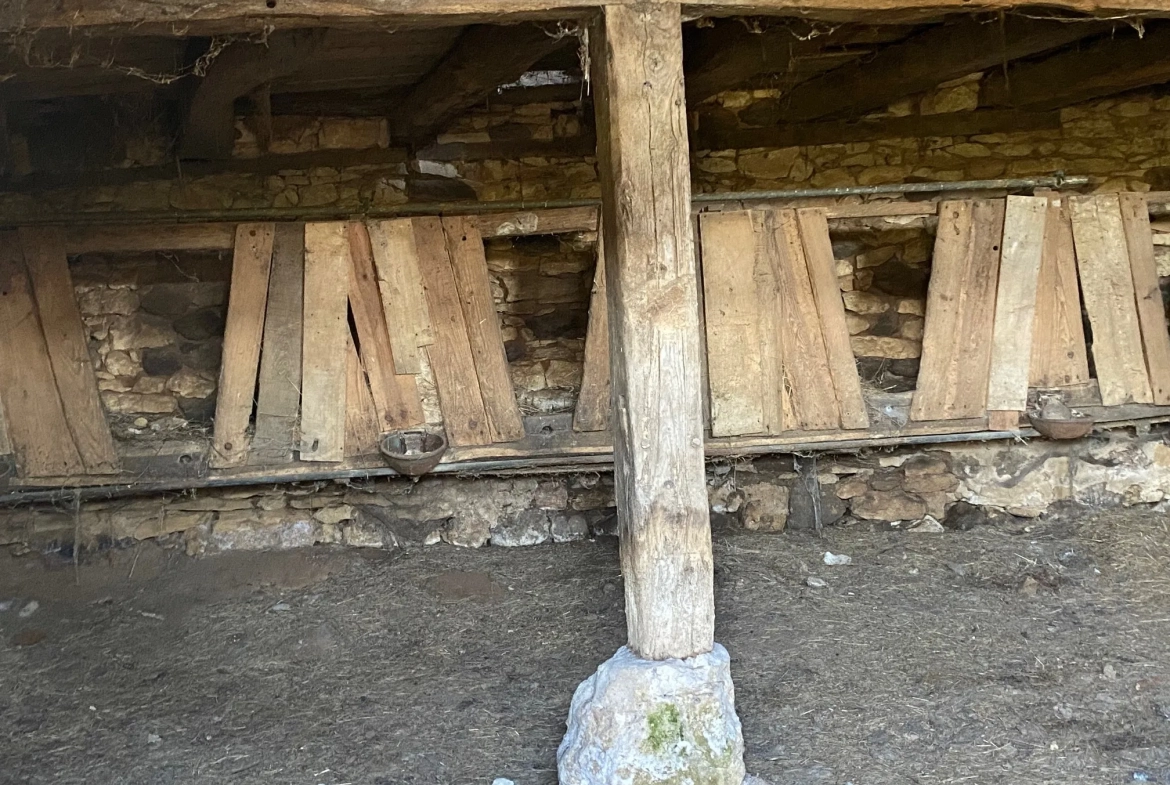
672 672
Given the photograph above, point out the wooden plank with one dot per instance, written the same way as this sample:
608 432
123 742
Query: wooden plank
5 440
960 312
593 404
155 237
777 399
1015 304
278 404
40 435
362 429
1059 357
1135 217
733 319
404 302
465 247
395 396
68 347
1107 287
324 352
818 250
247 299
1003 420
558 220
450 356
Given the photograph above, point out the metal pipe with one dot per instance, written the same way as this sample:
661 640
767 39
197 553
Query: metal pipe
1009 184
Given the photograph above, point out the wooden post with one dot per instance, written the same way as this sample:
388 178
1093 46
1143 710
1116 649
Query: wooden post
654 330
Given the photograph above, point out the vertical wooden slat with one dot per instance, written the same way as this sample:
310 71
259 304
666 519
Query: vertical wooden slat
1059 356
450 355
5 441
777 400
362 429
1107 286
818 249
278 402
326 341
40 435
403 300
247 299
593 404
465 247
395 395
1135 217
68 347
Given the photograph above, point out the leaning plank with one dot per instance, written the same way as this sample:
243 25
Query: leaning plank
68 346
1135 216
1015 304
403 299
247 299
362 430
465 247
40 436
1059 358
5 441
777 400
1107 286
450 356
395 396
818 250
326 341
732 317
593 404
278 402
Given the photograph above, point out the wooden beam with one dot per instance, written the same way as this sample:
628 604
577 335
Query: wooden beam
209 128
484 57
324 355
923 61
651 280
593 406
1114 64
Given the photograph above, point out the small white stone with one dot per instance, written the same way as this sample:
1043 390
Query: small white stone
814 582
29 609
837 559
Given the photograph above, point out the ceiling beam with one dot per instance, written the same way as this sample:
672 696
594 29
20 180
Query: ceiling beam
1106 67
484 58
924 61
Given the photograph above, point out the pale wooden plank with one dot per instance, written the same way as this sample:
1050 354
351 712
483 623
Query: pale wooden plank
41 441
247 299
818 250
326 338
732 319
1015 305
976 332
395 395
450 355
465 247
593 405
1107 287
1135 217
403 299
778 415
1059 356
1003 420
278 403
362 429
68 347
153 237
5 441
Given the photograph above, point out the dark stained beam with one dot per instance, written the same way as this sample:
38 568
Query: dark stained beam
924 61
5 146
1111 65
484 58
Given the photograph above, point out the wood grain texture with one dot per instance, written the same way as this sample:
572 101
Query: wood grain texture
1059 356
68 347
1135 217
395 395
5 440
593 404
403 299
818 251
362 429
777 398
247 300
450 356
1107 287
1015 305
326 341
41 441
278 402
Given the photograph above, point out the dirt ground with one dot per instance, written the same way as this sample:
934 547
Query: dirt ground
1029 652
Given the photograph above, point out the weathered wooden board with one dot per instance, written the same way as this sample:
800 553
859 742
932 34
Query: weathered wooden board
733 321
777 398
960 312
403 299
1015 304
395 395
41 441
278 403
450 355
465 248
68 346
5 441
326 340
593 404
247 300
1059 356
818 251
1107 286
1135 217
362 429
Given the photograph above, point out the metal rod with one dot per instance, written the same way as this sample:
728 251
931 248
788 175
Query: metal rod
1010 184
